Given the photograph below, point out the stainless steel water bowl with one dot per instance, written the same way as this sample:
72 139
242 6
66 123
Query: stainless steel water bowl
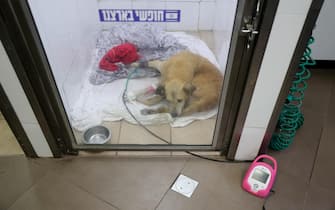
97 135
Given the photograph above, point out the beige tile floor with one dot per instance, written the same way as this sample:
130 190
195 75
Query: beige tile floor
198 133
8 142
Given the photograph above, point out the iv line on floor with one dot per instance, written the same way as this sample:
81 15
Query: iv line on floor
124 97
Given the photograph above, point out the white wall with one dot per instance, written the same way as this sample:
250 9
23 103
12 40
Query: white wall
20 103
225 11
283 38
195 14
66 28
324 33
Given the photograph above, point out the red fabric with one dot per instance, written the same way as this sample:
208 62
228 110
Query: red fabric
125 53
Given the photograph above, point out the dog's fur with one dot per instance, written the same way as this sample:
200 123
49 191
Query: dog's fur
189 82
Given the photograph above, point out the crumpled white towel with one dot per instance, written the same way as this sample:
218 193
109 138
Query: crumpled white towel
104 102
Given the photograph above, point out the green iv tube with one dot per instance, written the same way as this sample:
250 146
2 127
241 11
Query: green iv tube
291 117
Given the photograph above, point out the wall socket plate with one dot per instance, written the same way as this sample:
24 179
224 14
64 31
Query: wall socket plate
184 185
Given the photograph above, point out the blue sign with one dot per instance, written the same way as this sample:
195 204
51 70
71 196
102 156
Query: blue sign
139 15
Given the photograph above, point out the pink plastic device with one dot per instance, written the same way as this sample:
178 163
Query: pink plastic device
260 176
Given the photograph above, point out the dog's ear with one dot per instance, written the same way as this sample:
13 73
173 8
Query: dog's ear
160 90
189 88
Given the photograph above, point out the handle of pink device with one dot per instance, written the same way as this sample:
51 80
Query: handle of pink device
269 158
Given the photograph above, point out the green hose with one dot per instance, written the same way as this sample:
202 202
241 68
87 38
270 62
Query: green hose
291 117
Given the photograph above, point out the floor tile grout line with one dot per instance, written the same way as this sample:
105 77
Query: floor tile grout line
305 199
332 94
30 187
168 189
69 181
324 121
165 193
315 157
92 194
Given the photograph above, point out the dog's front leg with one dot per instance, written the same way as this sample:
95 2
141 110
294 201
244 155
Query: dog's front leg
161 109
150 101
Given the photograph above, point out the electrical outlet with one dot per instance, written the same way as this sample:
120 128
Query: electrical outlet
184 185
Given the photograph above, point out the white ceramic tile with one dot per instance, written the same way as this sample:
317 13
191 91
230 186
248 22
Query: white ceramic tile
61 38
13 89
206 15
249 143
221 46
37 139
189 16
176 1
293 7
193 33
56 32
144 4
87 13
225 14
323 47
273 69
114 4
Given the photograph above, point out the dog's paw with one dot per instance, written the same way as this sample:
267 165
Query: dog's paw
148 111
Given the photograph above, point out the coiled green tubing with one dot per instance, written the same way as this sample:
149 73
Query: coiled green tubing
291 117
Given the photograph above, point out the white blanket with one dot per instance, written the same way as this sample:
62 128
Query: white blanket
104 102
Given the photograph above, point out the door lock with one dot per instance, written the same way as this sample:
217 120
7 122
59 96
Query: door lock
251 24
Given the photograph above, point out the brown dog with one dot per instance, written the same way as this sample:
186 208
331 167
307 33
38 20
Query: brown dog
189 82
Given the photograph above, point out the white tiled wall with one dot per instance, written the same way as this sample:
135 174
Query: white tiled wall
195 14
66 29
223 26
189 16
20 103
324 46
285 33
206 16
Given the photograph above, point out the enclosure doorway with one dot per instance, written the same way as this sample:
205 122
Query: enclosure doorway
72 39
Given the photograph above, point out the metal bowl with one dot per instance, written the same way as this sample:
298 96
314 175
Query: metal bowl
97 135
